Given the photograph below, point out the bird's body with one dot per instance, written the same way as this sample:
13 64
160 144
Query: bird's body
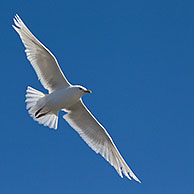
63 98
62 95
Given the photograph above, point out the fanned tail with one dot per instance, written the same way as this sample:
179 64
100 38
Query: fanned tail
35 104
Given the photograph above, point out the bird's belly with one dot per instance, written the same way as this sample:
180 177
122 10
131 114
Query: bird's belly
60 100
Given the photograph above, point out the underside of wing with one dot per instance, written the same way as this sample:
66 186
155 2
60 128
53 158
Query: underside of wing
94 134
42 60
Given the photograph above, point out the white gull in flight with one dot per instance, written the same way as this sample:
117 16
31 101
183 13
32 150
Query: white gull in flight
62 95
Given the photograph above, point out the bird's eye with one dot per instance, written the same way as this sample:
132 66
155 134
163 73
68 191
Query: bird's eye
80 88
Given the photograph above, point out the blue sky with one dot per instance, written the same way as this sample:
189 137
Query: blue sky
137 58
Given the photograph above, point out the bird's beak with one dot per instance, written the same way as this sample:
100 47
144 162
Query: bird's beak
88 91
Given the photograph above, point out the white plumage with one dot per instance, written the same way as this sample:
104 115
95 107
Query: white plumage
62 95
42 60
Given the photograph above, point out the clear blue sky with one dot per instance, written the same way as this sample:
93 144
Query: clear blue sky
138 59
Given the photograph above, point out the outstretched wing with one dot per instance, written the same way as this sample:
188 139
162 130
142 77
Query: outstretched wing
42 60
94 134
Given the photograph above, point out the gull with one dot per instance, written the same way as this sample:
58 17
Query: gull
62 95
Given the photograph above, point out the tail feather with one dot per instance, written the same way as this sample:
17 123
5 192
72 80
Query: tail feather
35 104
32 97
50 120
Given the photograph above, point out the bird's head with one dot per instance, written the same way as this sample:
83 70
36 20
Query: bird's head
81 90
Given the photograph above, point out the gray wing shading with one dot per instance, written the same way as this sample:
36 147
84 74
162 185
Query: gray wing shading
94 134
42 60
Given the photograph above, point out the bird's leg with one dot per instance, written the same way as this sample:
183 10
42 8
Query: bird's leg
41 115
38 112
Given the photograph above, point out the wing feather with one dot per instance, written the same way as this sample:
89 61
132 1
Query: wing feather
42 60
94 134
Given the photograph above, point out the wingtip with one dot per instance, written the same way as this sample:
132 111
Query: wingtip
17 17
136 179
130 178
17 21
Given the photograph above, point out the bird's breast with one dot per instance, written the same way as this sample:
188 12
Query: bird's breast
61 99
